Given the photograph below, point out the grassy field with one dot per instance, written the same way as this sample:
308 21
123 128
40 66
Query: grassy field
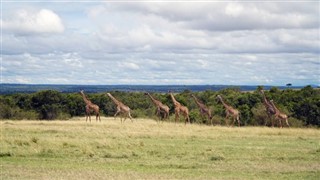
144 149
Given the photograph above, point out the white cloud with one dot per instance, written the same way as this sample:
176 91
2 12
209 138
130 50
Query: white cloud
128 66
19 79
232 16
233 9
33 22
163 43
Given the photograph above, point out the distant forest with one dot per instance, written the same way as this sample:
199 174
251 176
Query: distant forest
32 88
302 106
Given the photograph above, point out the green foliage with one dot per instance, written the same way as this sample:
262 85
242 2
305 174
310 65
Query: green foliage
302 106
195 117
8 110
74 104
259 115
48 104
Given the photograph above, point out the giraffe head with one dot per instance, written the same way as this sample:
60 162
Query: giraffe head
272 104
261 91
219 98
146 93
81 91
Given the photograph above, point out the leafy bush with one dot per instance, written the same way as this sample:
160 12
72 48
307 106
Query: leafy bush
302 106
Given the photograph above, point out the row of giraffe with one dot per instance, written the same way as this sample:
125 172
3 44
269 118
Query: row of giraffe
162 110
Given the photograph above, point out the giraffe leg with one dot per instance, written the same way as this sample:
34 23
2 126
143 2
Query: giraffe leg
226 119
118 110
210 118
280 123
266 121
234 120
158 114
166 115
287 122
89 114
115 115
97 116
187 119
129 114
86 113
238 119
277 121
272 121
125 117
176 117
161 115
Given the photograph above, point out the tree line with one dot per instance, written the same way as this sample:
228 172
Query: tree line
302 106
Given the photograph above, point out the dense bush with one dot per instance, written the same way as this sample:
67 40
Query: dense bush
9 110
302 106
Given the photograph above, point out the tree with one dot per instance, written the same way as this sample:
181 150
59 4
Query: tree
47 104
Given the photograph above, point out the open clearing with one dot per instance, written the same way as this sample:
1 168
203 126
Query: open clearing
144 149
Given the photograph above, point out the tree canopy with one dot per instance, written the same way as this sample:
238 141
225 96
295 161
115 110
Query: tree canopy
302 105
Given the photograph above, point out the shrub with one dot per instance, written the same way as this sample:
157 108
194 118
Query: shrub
260 117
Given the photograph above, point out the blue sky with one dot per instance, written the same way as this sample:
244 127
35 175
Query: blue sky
231 43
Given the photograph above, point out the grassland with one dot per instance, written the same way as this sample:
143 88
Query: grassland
144 149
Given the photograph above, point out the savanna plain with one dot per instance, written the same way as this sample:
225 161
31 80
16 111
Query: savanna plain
145 149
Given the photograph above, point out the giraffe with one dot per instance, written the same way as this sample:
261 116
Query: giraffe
230 111
269 108
204 110
90 106
279 115
160 107
121 108
180 108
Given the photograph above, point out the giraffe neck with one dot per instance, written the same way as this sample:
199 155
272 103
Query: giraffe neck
274 107
265 101
197 102
85 98
175 102
224 104
114 99
153 100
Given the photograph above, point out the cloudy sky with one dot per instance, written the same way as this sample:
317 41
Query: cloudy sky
231 43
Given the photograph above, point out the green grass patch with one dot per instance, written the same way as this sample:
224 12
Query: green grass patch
145 149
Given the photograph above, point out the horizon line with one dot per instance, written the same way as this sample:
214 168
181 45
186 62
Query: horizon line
51 84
